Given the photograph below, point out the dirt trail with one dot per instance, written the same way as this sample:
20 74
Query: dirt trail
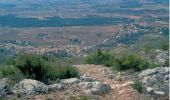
119 90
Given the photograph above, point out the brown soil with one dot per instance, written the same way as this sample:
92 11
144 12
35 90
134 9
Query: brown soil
119 90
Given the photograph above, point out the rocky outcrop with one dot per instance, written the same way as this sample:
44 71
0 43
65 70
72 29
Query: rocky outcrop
100 88
56 87
87 84
161 57
28 87
92 86
156 81
86 78
70 81
4 87
32 87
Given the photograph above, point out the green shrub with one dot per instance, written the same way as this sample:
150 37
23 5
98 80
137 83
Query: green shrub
166 64
35 67
147 48
32 66
99 58
8 71
55 72
11 72
130 61
165 45
153 65
18 95
119 61
137 86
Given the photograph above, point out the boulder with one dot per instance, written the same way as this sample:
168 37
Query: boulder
148 72
161 57
150 90
95 87
159 93
86 78
4 87
55 87
28 87
99 88
156 81
70 81
85 85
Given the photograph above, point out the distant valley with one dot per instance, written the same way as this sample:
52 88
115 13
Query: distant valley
75 27
12 21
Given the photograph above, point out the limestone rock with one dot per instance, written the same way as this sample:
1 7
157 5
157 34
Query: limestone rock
157 79
4 87
86 78
161 57
85 85
28 87
70 81
95 87
55 87
99 88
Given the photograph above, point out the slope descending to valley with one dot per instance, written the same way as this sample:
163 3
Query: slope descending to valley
120 89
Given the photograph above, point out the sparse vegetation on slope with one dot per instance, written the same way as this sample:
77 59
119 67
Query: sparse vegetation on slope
137 86
130 61
165 45
35 67
99 58
120 61
11 72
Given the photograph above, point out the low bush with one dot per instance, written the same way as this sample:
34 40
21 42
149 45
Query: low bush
35 67
119 61
147 48
130 61
166 64
165 45
99 58
32 66
12 73
55 72
137 86
7 71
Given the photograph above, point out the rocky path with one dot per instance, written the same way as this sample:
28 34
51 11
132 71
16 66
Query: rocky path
120 90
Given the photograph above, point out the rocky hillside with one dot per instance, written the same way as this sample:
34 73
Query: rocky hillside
95 83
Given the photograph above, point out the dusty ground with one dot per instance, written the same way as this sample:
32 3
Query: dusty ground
119 90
